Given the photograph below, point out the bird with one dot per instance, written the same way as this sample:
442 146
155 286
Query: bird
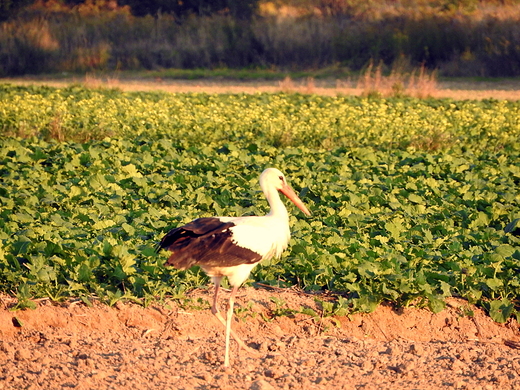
232 246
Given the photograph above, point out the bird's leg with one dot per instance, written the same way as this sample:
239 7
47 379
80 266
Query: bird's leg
214 307
216 281
227 324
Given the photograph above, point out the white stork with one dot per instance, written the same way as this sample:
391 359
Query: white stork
232 246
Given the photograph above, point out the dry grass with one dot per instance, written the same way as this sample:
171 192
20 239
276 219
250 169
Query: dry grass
506 89
417 83
308 86
92 81
431 142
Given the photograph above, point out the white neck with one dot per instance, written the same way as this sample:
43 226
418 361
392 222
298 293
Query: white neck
278 209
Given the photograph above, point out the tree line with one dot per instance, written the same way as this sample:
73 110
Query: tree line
242 9
457 38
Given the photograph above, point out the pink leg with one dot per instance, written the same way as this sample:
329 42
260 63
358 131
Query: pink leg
214 308
227 324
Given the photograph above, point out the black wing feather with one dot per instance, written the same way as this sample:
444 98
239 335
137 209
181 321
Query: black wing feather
206 242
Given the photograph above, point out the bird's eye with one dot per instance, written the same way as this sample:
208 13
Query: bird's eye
280 177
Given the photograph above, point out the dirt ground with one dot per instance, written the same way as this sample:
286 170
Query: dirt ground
456 89
181 346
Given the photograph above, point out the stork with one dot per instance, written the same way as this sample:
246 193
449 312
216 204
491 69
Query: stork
232 246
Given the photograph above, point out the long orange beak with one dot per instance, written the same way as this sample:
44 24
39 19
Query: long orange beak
289 192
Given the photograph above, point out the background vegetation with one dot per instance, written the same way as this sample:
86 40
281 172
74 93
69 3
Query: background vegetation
413 200
459 38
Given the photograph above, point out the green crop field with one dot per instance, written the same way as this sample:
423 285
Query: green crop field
413 200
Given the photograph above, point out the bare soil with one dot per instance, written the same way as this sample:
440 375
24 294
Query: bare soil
181 346
502 89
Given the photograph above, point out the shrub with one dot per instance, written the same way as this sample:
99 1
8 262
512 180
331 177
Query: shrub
480 42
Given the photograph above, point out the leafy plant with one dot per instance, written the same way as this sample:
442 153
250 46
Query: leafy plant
392 221
24 299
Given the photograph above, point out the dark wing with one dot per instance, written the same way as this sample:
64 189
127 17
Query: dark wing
181 236
205 241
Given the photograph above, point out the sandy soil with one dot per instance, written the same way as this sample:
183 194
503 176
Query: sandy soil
172 346
465 90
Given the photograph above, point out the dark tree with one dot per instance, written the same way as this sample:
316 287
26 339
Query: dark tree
241 9
9 8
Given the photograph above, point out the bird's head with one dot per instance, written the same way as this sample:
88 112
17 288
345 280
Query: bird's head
273 178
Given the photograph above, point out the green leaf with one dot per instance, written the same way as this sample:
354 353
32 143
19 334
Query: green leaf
416 199
86 301
103 224
84 273
128 228
366 303
24 298
436 305
505 250
481 221
395 228
131 171
494 283
511 226
500 310
24 218
21 246
98 182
